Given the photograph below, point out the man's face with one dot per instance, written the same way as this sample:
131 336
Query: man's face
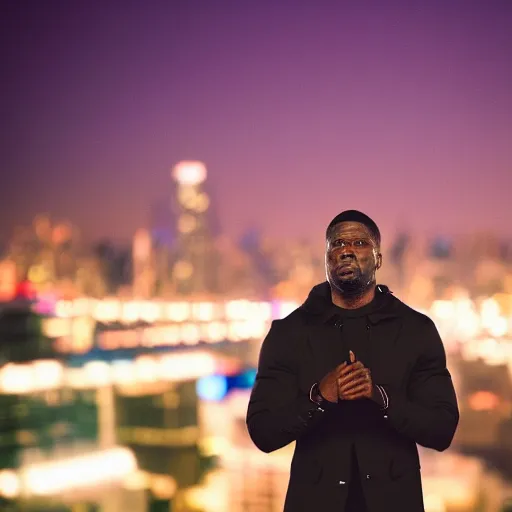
351 258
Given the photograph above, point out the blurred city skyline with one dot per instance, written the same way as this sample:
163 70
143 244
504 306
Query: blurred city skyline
299 111
133 303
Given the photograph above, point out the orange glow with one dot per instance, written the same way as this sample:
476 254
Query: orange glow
483 401
7 280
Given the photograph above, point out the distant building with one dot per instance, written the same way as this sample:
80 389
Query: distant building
143 265
195 268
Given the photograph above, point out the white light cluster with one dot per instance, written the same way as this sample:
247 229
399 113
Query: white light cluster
83 471
459 321
491 350
182 334
24 378
130 311
52 478
189 172
177 323
40 376
463 315
10 485
464 319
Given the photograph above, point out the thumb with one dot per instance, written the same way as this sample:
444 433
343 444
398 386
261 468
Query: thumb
352 357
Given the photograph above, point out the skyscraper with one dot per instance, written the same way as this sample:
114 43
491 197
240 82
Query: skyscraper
194 270
143 265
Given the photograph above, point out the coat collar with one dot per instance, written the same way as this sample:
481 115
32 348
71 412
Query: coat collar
320 315
319 308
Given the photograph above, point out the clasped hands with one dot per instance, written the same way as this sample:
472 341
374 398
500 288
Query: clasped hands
347 382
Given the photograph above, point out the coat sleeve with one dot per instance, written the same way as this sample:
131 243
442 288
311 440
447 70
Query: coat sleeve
279 412
428 413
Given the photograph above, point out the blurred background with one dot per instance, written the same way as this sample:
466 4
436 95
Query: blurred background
168 171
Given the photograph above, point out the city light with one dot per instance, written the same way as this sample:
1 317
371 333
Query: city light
483 401
434 503
155 344
30 377
122 373
212 388
7 280
51 478
10 484
187 366
189 173
178 311
133 345
97 374
46 375
461 321
107 310
184 333
448 493
203 311
163 486
215 332
130 311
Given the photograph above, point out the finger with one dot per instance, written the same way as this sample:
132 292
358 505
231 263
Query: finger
352 385
351 377
360 377
367 374
352 357
350 368
365 386
362 390
354 375
340 367
357 396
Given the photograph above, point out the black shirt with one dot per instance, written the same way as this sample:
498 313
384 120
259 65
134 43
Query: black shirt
354 327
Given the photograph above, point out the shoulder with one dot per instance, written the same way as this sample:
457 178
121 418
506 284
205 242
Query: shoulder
287 329
422 328
295 318
418 326
281 342
412 316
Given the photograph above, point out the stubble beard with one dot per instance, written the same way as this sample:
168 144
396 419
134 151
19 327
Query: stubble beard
355 287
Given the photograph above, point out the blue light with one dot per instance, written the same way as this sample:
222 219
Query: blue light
245 380
212 388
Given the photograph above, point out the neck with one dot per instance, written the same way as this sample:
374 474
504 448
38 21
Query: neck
353 301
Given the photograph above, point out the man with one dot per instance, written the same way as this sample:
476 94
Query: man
357 379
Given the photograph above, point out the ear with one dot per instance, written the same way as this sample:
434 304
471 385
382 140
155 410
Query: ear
379 261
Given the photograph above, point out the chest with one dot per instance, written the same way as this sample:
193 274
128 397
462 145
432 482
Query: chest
387 348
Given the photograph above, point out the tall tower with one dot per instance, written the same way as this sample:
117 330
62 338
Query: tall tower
143 265
195 269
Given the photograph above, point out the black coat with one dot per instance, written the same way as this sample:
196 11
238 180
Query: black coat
407 359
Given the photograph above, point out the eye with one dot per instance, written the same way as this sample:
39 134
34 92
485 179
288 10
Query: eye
361 243
338 243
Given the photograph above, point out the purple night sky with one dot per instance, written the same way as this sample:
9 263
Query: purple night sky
298 108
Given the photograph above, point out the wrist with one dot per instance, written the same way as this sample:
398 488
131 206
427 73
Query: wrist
314 394
316 397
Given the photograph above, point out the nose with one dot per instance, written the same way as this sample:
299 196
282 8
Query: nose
346 252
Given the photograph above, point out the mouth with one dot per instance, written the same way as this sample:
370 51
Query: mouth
346 270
